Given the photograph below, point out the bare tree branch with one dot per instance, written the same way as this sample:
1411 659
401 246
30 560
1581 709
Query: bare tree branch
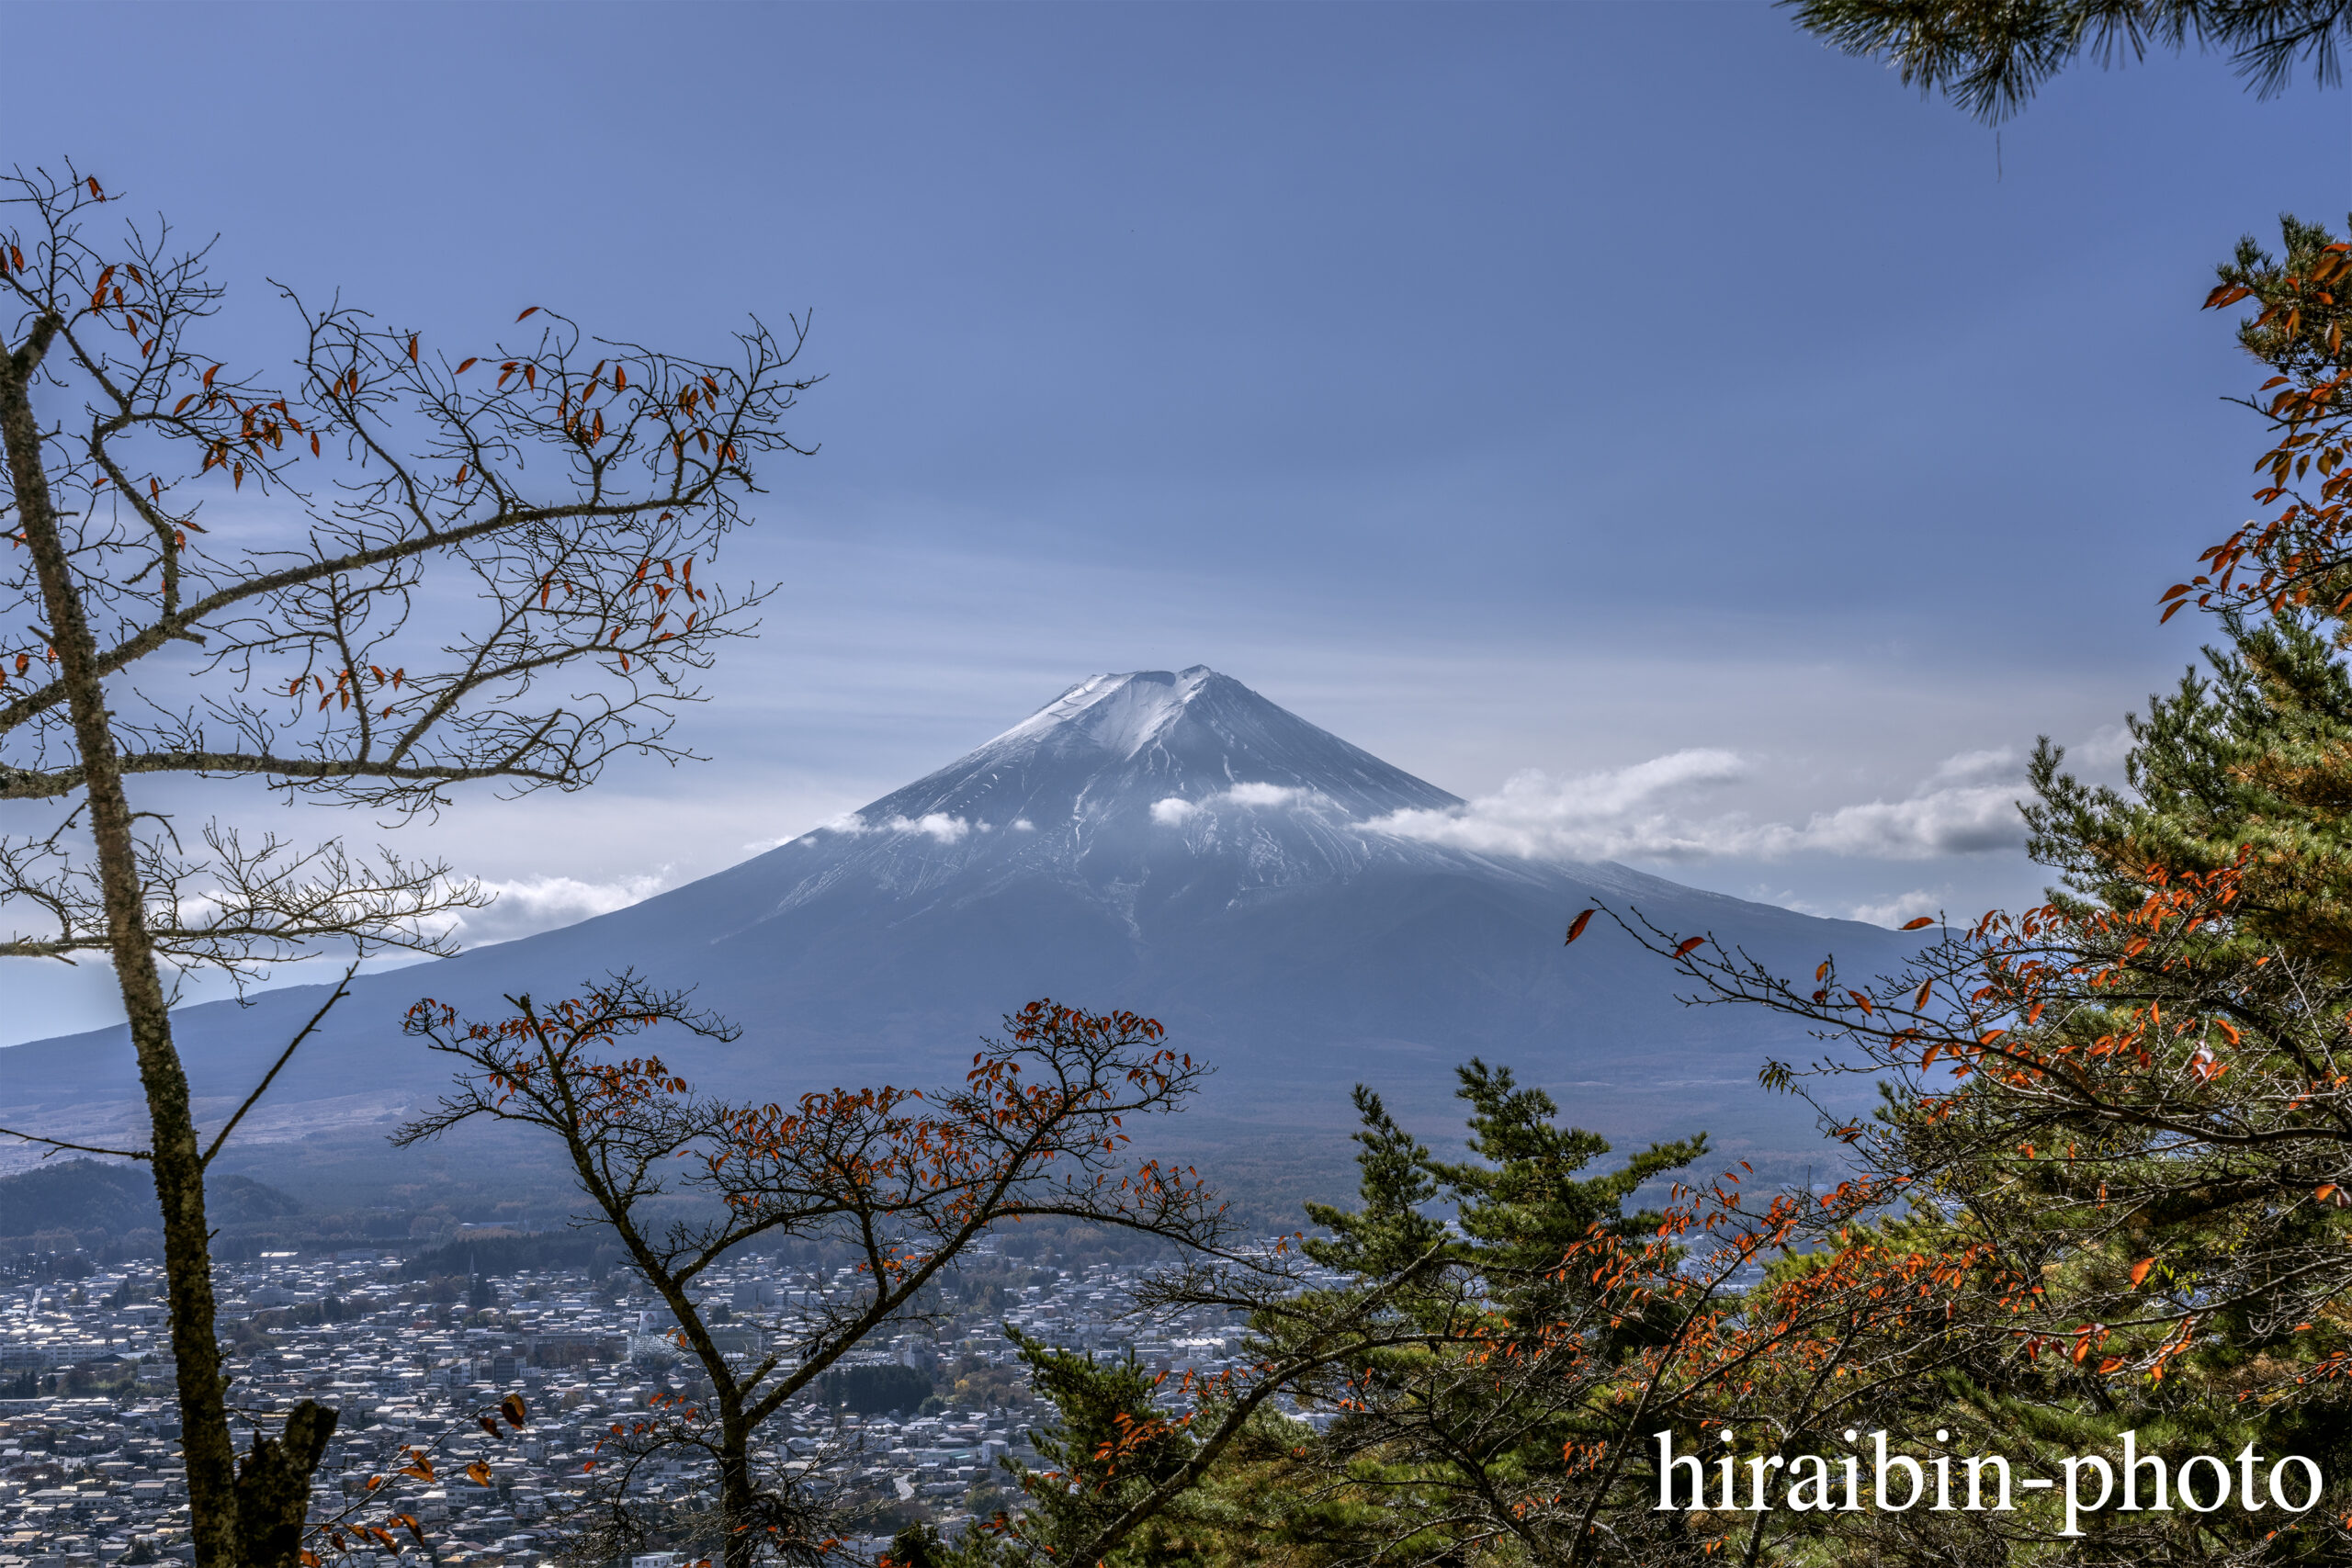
342 989
55 1144
449 570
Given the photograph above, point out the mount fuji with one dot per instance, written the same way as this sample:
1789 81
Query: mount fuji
1171 843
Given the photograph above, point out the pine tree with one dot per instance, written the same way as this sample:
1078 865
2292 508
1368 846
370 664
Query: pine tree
2133 1104
1992 56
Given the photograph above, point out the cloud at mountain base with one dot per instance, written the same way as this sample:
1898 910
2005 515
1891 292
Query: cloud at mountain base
1901 907
542 903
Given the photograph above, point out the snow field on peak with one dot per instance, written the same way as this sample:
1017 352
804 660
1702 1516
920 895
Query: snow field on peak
1121 713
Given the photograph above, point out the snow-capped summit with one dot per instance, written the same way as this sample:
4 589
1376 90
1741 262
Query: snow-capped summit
1124 791
1145 737
1121 713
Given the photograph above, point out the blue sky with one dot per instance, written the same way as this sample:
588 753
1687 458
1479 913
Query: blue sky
1638 393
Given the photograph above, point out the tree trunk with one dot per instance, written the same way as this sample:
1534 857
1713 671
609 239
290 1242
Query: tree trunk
274 1487
208 1450
737 1499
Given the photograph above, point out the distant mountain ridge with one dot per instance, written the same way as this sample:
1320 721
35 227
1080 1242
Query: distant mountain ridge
1170 842
88 1195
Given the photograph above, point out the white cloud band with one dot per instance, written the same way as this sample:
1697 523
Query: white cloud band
1653 811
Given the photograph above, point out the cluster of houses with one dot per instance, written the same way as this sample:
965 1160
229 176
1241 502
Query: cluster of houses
89 1467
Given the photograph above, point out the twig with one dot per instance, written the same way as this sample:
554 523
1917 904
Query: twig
342 989
85 1148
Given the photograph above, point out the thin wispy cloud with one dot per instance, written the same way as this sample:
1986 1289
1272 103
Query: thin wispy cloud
937 825
1176 810
931 825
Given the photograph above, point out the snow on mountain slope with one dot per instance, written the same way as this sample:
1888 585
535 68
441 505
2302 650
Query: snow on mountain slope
1170 842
